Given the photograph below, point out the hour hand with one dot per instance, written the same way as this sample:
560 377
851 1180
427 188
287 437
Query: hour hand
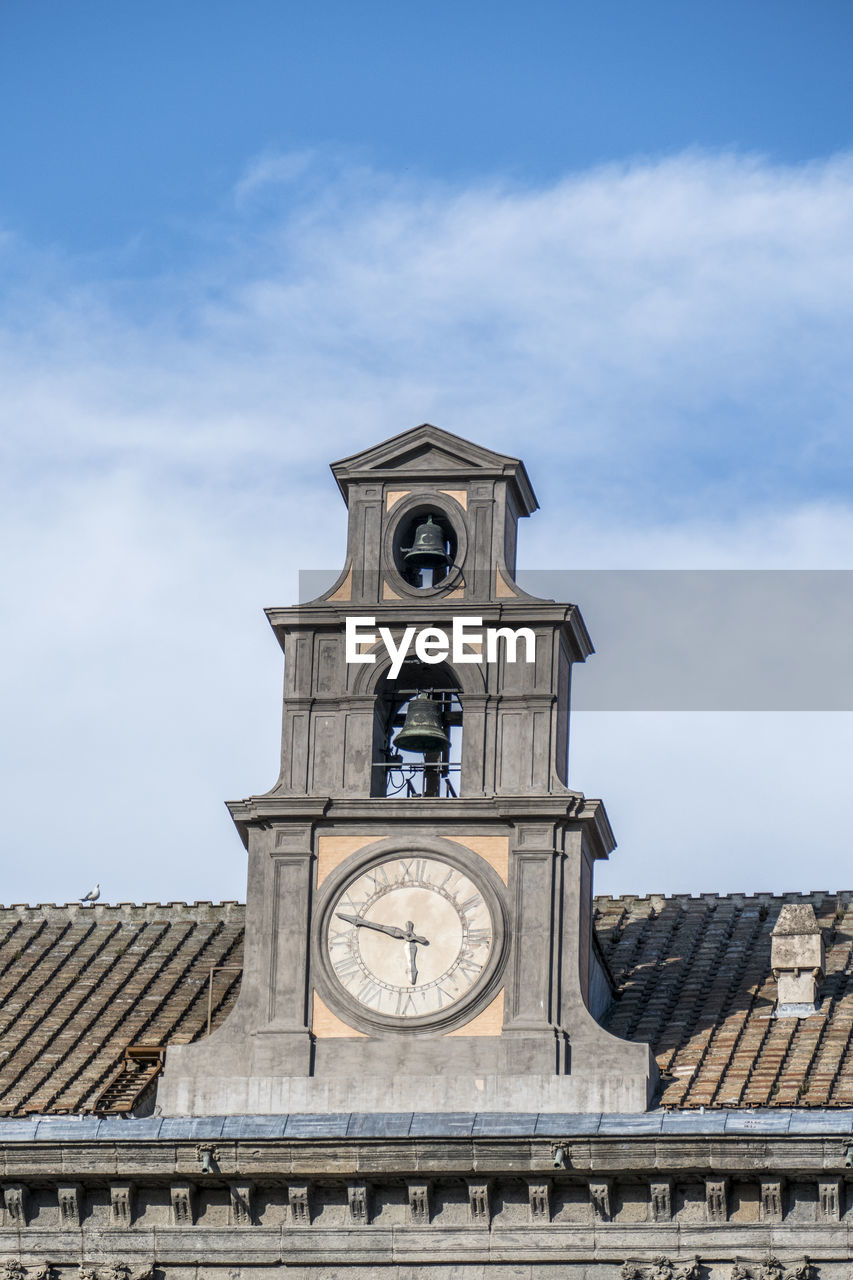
361 923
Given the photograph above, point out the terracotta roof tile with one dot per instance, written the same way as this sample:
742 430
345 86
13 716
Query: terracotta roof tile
700 989
78 985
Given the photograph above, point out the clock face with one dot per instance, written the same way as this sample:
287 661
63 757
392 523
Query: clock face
409 936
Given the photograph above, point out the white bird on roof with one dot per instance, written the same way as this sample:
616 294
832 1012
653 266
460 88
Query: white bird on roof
92 895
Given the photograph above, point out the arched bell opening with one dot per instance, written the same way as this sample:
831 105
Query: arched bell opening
418 733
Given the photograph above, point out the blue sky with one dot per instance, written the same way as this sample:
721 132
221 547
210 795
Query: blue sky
239 241
129 121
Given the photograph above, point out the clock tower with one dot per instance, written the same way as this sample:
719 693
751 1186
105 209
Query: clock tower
419 911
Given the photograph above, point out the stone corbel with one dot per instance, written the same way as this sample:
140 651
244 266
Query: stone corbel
358 1199
300 1205
419 1206
829 1200
479 1203
121 1204
181 1195
716 1199
241 1203
15 1197
70 1197
539 1195
660 1198
599 1195
771 1201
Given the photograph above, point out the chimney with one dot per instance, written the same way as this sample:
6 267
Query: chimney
797 958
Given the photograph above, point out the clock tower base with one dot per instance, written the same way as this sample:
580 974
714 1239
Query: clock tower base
207 1093
530 1042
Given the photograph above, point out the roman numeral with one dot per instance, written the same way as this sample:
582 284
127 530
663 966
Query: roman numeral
471 904
346 966
355 907
370 994
415 870
479 937
379 876
407 1006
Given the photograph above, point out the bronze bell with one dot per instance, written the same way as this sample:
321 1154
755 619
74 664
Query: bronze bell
423 730
429 548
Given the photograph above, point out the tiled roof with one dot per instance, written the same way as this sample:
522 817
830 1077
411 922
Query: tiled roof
695 982
80 984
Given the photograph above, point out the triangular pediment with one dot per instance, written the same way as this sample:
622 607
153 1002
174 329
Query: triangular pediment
428 458
429 451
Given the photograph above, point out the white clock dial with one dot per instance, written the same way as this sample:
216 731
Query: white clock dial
410 936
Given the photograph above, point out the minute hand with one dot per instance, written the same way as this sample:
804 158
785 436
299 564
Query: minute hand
405 934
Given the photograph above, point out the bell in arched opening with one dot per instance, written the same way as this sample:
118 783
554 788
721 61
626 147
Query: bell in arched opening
423 730
428 549
418 733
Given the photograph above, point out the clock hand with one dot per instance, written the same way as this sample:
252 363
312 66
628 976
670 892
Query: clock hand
407 935
413 939
360 922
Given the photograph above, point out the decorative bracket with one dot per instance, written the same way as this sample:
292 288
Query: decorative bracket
70 1197
599 1195
358 1198
660 1195
15 1197
241 1204
300 1206
183 1209
539 1194
121 1205
716 1199
419 1206
479 1203
771 1201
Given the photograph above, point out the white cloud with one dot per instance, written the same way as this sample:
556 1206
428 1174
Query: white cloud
271 170
666 344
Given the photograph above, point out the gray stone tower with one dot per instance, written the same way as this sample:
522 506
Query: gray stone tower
418 927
